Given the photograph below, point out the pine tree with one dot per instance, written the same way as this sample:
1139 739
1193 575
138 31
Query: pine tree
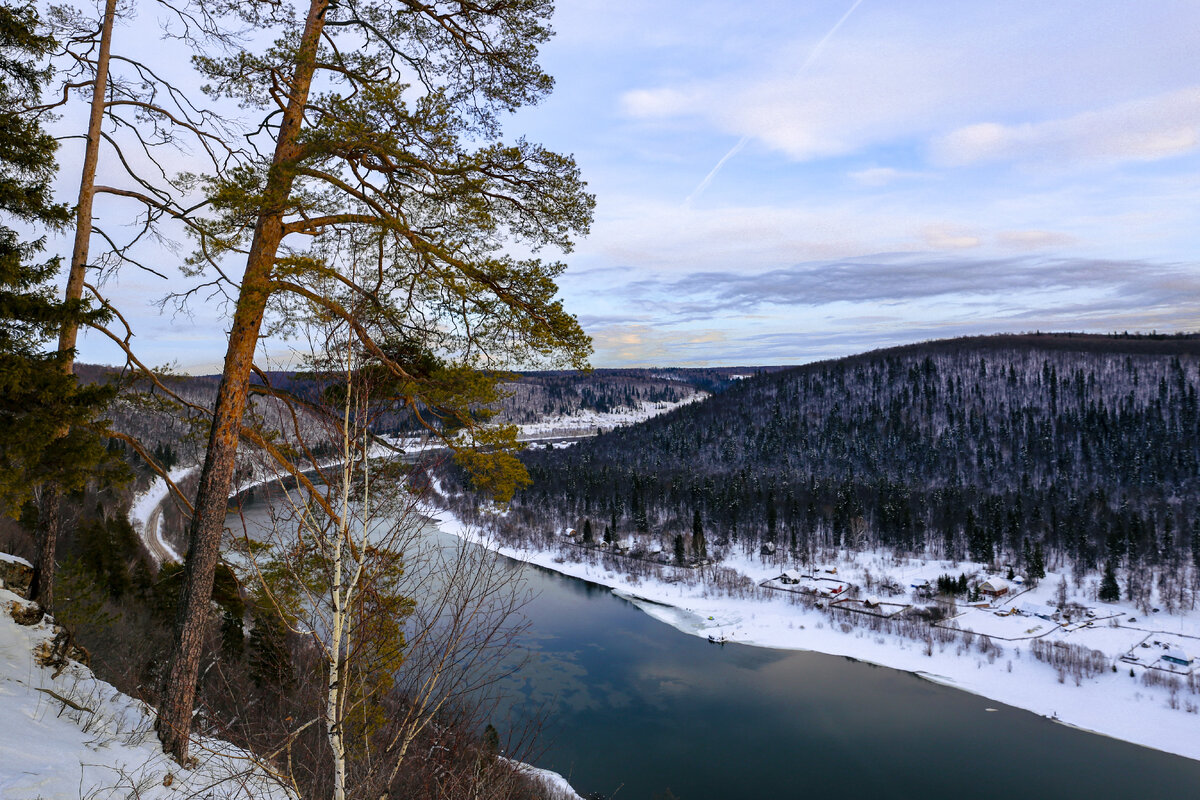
680 550
384 148
588 536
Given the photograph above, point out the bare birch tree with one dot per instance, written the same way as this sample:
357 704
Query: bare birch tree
407 622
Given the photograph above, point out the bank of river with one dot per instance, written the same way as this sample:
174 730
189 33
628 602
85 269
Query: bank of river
636 707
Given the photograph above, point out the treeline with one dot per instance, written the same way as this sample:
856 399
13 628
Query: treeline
536 395
985 448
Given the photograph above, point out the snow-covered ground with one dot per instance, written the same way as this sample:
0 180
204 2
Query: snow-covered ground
106 746
548 779
587 422
1140 709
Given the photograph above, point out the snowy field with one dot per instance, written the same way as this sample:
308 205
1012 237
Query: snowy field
1155 706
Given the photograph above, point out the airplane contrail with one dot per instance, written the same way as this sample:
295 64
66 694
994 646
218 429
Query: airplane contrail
737 148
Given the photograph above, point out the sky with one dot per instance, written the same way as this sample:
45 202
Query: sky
778 182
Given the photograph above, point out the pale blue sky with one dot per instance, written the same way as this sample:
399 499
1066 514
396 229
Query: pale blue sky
930 169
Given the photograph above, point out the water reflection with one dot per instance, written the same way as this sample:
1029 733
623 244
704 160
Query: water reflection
636 708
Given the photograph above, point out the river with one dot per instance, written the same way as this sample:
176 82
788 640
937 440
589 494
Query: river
635 709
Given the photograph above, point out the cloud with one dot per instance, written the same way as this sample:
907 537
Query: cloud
659 103
949 237
1015 282
882 176
647 344
1147 129
1033 240
829 309
912 74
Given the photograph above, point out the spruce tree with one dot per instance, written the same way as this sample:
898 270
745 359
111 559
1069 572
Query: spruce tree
269 660
772 517
588 536
491 740
1110 592
1037 568
47 444
1196 542
699 545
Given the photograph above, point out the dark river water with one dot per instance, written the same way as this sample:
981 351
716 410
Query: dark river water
636 708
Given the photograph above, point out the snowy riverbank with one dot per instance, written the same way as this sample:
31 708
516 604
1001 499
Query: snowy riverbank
995 660
69 735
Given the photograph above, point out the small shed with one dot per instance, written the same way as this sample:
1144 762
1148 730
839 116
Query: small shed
1037 610
1177 656
767 549
790 576
994 587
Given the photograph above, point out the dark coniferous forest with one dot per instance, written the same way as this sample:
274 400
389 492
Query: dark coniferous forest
1069 450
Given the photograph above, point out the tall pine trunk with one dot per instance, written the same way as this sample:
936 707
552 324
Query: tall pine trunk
208 522
49 516
41 589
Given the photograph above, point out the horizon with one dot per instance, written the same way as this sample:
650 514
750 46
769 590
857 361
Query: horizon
1127 336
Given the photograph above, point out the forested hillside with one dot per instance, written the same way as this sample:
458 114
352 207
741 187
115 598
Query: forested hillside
149 416
1015 449
535 395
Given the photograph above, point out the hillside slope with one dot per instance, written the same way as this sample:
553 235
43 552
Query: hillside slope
984 447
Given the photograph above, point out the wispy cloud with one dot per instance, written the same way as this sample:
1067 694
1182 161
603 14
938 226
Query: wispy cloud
883 176
1147 129
905 278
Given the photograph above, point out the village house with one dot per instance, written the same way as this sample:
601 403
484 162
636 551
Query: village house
994 587
1176 656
